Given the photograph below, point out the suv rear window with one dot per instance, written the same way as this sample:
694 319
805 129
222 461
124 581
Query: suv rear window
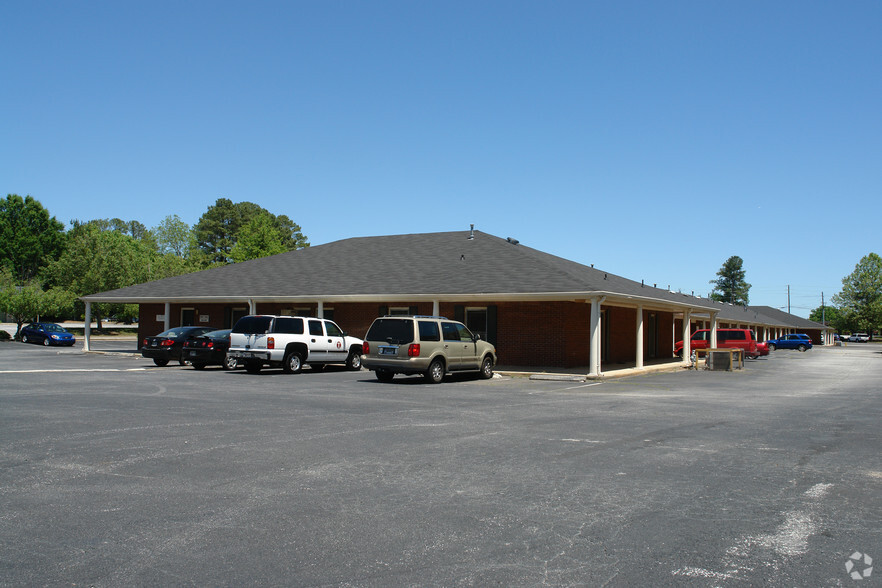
253 325
391 330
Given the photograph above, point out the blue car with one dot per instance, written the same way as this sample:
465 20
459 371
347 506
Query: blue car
47 334
798 341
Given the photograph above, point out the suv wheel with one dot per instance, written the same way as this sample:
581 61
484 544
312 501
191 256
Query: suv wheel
772 346
353 362
487 368
293 363
435 373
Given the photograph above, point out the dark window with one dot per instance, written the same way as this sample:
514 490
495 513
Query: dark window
391 330
253 325
736 336
315 328
476 321
723 336
451 332
333 329
700 336
290 325
429 331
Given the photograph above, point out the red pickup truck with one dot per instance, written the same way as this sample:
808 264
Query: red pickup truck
726 338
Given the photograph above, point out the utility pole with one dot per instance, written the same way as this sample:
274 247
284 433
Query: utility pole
788 298
823 311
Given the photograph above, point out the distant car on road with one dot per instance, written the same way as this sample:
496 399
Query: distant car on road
168 345
797 341
47 334
859 338
209 349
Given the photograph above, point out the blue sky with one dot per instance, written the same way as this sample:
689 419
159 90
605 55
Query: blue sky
652 139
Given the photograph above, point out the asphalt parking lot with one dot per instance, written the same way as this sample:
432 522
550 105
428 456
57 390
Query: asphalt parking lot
116 472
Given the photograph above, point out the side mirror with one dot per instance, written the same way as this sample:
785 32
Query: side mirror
476 337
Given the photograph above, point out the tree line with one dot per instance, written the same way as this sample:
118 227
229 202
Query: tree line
45 267
857 308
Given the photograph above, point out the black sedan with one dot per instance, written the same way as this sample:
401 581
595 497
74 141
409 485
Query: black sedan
168 345
209 349
47 334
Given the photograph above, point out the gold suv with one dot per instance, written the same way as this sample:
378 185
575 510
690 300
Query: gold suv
429 345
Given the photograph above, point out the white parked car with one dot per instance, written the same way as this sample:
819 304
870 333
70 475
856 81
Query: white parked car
859 338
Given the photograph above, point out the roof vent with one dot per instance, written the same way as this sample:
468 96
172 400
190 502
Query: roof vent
512 241
472 234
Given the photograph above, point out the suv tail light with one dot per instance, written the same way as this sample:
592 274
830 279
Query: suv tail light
270 343
365 348
413 350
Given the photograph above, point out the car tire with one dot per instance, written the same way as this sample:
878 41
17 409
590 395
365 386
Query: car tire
487 368
353 362
435 373
772 346
46 342
802 347
160 362
198 366
253 367
293 363
24 338
384 376
230 363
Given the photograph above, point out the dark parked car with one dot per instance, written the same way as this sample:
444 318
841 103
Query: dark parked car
47 334
168 345
210 349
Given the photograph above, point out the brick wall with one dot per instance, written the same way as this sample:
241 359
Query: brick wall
538 334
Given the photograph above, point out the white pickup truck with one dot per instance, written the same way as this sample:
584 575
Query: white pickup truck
291 342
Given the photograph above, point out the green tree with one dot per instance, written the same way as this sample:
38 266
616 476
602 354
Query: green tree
29 237
219 228
730 285
861 295
97 261
260 237
174 236
832 316
28 302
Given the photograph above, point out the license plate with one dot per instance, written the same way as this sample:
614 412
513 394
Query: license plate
193 354
388 351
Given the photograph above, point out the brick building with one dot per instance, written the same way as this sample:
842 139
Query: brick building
538 309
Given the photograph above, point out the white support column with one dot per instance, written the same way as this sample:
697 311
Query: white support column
436 308
687 332
594 351
252 308
639 359
320 311
87 331
713 328
166 321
